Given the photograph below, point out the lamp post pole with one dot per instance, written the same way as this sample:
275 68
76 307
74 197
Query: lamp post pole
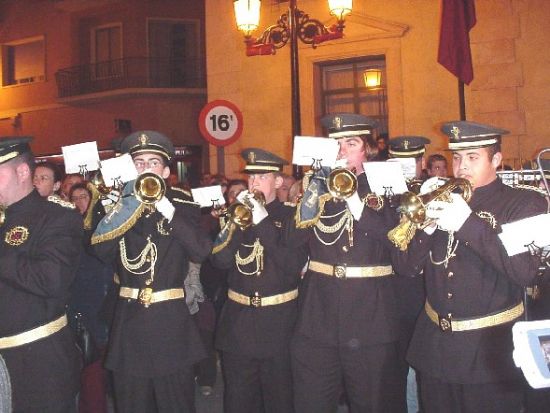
295 81
292 26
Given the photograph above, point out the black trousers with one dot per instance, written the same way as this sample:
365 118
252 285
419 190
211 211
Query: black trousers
173 393
254 385
438 396
370 376
69 406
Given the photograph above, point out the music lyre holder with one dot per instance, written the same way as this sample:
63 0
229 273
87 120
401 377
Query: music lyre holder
543 253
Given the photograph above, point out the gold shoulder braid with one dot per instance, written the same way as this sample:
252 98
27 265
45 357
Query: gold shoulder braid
174 188
257 255
56 200
345 222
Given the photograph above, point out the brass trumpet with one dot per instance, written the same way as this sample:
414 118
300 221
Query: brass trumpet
2 214
149 188
413 210
240 213
341 183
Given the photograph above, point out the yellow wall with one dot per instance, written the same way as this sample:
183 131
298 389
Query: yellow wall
511 72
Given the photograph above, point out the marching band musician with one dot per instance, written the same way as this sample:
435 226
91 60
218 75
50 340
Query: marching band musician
410 290
153 343
41 240
462 343
258 317
348 328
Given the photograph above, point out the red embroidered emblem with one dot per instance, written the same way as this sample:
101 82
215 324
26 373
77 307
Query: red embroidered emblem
17 235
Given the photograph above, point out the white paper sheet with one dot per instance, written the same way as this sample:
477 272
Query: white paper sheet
207 196
308 149
383 176
120 170
408 165
517 235
81 158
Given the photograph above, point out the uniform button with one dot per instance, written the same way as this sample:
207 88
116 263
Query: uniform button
450 274
449 295
345 248
148 259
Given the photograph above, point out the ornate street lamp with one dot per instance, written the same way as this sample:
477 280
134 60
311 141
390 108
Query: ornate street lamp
291 26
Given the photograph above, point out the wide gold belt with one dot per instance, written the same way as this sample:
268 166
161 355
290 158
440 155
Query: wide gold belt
257 300
343 271
146 296
448 323
34 334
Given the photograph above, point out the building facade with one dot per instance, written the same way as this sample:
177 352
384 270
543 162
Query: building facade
510 87
94 70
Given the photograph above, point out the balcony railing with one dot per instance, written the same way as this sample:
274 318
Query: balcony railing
133 72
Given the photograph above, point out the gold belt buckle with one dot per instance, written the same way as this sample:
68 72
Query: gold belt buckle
145 295
255 300
340 271
445 323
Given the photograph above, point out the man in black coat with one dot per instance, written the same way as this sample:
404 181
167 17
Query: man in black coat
40 247
347 333
462 344
153 342
258 317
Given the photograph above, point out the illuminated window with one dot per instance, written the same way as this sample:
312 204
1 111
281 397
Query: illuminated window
23 61
343 89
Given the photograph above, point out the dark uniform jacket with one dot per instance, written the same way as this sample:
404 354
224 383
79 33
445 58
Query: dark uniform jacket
36 271
358 311
265 331
161 339
480 279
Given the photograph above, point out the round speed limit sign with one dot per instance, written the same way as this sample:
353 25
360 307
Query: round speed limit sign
221 122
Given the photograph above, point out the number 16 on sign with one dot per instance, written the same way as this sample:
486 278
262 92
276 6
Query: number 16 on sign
221 122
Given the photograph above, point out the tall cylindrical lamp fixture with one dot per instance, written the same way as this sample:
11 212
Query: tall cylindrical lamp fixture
340 8
247 15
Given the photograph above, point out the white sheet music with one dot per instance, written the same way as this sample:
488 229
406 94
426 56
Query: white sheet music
516 236
81 158
384 175
308 149
207 196
120 169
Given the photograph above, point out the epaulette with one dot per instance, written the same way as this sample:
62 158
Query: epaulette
185 201
66 204
533 188
182 190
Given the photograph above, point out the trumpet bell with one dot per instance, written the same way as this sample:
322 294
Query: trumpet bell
99 183
149 188
240 215
413 209
341 183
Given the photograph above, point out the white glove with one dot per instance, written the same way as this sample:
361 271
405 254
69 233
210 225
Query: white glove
111 198
258 211
431 184
165 207
449 216
355 205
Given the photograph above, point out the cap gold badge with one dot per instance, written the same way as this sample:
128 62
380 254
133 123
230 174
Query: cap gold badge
406 144
251 157
16 236
337 122
456 132
143 139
